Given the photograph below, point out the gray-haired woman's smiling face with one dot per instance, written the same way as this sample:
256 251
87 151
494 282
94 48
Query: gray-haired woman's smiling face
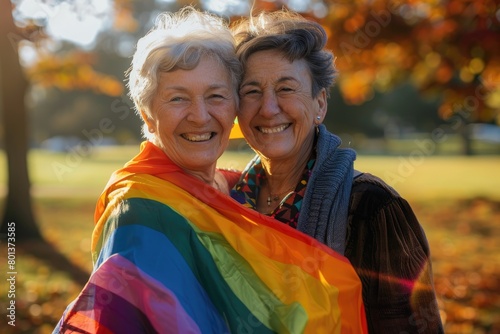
193 113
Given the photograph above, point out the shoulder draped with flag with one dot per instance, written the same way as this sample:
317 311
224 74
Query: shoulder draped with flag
173 255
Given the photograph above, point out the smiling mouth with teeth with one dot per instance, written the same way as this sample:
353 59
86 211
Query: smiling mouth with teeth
275 129
198 137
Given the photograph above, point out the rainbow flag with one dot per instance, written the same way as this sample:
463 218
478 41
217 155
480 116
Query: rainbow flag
173 255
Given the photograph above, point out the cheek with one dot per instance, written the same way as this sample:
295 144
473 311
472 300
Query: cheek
244 117
226 118
248 109
246 129
228 125
165 126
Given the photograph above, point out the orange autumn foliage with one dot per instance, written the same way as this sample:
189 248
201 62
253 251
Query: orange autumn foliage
73 72
439 46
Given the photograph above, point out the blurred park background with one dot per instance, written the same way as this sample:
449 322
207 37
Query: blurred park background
418 97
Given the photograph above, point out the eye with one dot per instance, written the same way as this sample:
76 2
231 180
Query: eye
176 99
285 89
217 97
249 92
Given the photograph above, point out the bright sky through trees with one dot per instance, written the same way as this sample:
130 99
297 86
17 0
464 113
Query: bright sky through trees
80 21
77 21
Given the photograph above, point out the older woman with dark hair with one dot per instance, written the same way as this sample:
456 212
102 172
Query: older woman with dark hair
172 252
302 178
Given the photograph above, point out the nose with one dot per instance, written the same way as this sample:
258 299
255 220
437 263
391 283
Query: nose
199 113
269 106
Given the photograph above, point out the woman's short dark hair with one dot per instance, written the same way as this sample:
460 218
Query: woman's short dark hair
294 36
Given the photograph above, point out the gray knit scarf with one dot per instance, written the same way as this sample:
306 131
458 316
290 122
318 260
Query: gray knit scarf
325 206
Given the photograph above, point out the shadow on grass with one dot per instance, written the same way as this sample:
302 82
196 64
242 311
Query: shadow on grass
46 253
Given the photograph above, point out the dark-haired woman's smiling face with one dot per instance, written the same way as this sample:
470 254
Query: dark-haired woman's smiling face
277 109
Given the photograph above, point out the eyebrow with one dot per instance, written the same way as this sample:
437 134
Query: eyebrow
282 79
211 87
286 79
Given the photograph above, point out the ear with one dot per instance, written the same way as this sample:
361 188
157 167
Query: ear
148 121
322 101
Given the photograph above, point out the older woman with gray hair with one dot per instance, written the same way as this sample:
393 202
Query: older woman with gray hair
172 253
301 176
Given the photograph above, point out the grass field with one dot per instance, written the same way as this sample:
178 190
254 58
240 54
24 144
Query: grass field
457 200
414 176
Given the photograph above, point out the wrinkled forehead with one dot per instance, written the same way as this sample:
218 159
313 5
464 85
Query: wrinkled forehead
272 66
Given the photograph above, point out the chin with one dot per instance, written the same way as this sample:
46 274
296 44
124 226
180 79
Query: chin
273 152
204 160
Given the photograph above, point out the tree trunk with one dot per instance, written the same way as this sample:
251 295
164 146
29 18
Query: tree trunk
13 86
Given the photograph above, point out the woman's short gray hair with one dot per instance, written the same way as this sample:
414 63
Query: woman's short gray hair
178 41
294 36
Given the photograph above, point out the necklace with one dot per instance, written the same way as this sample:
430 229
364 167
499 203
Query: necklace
277 197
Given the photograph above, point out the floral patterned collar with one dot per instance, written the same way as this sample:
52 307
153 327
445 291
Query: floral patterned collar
247 189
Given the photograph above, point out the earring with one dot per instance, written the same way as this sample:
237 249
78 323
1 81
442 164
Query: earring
318 117
151 130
